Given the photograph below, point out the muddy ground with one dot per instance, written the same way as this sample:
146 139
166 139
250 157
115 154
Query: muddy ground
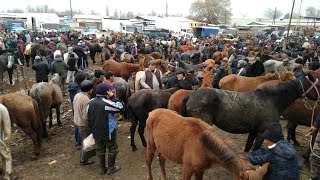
60 148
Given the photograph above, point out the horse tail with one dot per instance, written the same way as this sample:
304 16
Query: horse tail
35 121
130 112
37 97
220 149
183 107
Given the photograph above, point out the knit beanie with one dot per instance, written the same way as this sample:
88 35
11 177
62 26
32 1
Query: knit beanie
273 133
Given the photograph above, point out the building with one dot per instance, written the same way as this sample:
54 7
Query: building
88 21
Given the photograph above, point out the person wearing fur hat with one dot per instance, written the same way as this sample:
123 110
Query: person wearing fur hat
241 70
283 158
60 67
102 123
42 70
80 104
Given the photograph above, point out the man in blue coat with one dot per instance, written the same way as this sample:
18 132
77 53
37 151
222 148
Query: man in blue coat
283 158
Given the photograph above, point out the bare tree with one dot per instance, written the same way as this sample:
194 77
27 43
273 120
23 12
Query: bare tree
92 12
272 13
45 8
211 11
311 11
15 10
129 15
294 16
107 11
116 14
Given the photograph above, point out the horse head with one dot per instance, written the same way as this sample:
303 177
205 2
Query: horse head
310 87
55 79
10 61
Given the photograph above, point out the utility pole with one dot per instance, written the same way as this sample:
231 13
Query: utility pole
275 15
289 25
70 9
166 9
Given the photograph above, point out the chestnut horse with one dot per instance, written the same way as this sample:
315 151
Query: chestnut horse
156 55
24 112
220 55
233 82
195 145
48 96
144 60
122 69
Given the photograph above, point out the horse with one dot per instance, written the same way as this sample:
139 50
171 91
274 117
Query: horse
220 55
149 99
122 69
195 145
5 135
251 112
6 64
233 82
123 92
126 57
190 68
24 112
272 66
48 96
144 60
296 114
155 55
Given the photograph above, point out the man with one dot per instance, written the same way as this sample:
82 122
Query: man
60 67
151 79
74 88
298 69
185 56
80 53
72 68
241 70
314 65
257 68
314 158
183 83
80 104
285 65
49 55
175 56
247 67
220 73
109 76
42 70
98 78
169 79
102 123
67 55
195 57
283 158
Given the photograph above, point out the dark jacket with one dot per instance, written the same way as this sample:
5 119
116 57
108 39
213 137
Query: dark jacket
298 73
98 116
72 63
167 80
73 88
314 65
247 67
95 83
185 57
195 57
283 158
257 69
220 73
42 71
79 51
184 84
60 67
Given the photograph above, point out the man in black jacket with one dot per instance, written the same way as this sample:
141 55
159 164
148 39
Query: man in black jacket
80 53
42 70
220 73
102 123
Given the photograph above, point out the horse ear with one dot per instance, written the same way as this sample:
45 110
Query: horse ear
264 169
311 77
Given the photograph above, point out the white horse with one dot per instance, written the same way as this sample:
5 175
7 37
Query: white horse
5 134
273 66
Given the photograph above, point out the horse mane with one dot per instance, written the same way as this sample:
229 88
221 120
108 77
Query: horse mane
223 151
131 66
285 76
207 79
270 76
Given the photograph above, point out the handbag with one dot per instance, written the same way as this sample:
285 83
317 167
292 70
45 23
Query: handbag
89 143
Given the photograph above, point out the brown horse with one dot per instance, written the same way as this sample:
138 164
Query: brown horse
156 55
195 145
248 84
220 55
280 56
144 60
48 96
24 112
122 69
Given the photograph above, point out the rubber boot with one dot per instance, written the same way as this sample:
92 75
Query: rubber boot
102 165
112 168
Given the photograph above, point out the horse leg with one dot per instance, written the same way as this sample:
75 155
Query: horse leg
141 128
187 172
162 162
199 175
258 142
44 128
33 135
252 135
133 128
58 115
50 117
10 73
289 130
293 135
149 158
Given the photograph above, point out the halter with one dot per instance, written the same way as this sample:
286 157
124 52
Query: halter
313 85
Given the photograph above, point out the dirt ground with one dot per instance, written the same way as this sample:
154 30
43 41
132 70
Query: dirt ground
60 148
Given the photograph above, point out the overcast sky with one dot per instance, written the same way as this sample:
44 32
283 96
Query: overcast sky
240 8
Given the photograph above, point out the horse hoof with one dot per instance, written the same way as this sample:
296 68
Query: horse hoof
134 148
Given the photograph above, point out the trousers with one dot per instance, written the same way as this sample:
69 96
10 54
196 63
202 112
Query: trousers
109 143
84 133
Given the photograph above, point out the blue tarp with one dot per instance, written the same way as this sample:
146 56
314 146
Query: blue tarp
206 32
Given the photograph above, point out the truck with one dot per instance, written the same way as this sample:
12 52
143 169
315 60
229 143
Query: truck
205 31
126 26
49 27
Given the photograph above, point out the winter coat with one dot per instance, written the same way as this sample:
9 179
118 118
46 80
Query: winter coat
42 71
314 65
72 64
79 51
73 88
195 58
283 158
257 69
298 73
241 72
60 67
220 73
184 84
185 57
99 111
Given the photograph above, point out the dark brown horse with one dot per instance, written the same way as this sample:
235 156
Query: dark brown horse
195 145
48 96
24 112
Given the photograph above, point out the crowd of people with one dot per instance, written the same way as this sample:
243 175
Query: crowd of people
95 103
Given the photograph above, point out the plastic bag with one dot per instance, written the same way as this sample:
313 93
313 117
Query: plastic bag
89 143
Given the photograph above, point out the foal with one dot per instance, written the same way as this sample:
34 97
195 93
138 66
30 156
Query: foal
193 143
